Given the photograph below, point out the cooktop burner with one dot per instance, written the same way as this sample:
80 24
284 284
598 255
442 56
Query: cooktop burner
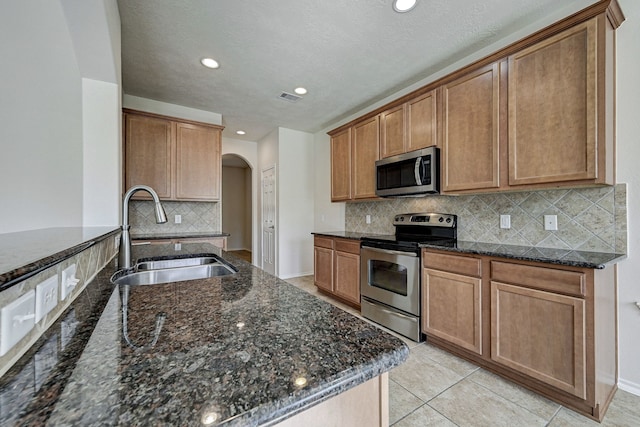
414 229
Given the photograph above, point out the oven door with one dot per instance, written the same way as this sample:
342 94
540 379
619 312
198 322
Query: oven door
391 277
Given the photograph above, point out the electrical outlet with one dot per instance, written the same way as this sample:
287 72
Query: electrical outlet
177 219
177 246
551 222
16 320
505 221
68 282
368 219
46 297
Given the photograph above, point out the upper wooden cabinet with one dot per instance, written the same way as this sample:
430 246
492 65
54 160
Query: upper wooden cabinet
539 113
557 108
422 122
410 126
354 152
471 131
179 160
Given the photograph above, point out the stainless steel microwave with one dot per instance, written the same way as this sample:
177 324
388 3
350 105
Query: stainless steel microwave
412 174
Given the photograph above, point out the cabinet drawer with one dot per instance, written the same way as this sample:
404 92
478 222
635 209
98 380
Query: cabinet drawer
323 242
548 279
453 263
350 246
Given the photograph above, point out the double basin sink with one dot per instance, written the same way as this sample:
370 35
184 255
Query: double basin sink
155 271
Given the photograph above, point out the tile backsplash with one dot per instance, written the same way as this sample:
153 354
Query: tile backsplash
589 219
196 216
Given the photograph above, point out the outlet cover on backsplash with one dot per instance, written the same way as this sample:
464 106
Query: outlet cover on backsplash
589 219
195 217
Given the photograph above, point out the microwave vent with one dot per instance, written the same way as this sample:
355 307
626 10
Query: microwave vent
289 97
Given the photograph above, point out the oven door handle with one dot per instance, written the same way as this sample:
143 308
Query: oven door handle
390 252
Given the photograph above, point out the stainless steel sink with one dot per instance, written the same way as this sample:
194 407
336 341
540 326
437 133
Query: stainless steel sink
154 272
175 262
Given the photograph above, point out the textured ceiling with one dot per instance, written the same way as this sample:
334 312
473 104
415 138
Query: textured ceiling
348 54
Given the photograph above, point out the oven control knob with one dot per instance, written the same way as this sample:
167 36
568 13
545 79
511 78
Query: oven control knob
440 219
448 220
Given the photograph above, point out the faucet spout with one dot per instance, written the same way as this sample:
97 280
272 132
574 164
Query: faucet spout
124 256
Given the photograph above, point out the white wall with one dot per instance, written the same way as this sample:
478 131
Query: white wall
41 110
60 131
628 146
171 110
295 203
102 177
248 150
328 216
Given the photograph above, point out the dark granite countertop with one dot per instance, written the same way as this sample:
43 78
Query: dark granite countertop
232 346
566 257
343 234
179 235
25 253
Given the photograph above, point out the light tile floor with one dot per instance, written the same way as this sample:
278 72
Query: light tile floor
436 388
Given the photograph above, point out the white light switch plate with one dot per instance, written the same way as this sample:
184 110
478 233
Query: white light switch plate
46 297
16 320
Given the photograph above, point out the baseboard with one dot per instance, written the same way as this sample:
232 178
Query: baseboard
630 387
238 249
291 276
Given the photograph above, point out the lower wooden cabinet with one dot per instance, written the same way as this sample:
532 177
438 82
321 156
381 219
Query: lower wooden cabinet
540 334
337 268
452 308
323 263
550 328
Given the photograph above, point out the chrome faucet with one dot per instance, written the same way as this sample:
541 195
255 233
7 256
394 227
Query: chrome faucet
124 257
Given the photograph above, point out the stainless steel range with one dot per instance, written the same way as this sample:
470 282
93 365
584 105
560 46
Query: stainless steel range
390 269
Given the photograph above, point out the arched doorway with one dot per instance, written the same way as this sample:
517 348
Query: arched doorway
237 205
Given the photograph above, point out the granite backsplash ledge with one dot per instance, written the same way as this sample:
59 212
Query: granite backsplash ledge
195 217
88 263
589 219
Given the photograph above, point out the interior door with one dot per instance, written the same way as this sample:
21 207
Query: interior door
269 220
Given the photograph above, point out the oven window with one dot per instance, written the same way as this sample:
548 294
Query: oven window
389 276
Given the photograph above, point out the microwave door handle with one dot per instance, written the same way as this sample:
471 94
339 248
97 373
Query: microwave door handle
416 171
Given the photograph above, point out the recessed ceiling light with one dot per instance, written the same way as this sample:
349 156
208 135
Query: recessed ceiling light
404 5
240 132
300 90
209 63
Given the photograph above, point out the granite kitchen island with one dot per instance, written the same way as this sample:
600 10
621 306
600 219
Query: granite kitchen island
245 349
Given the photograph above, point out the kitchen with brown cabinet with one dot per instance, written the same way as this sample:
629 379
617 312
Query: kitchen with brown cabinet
591 217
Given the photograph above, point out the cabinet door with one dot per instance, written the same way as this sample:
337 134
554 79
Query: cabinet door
198 162
452 308
341 166
392 132
470 150
347 279
365 153
148 154
422 122
552 109
540 334
323 268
